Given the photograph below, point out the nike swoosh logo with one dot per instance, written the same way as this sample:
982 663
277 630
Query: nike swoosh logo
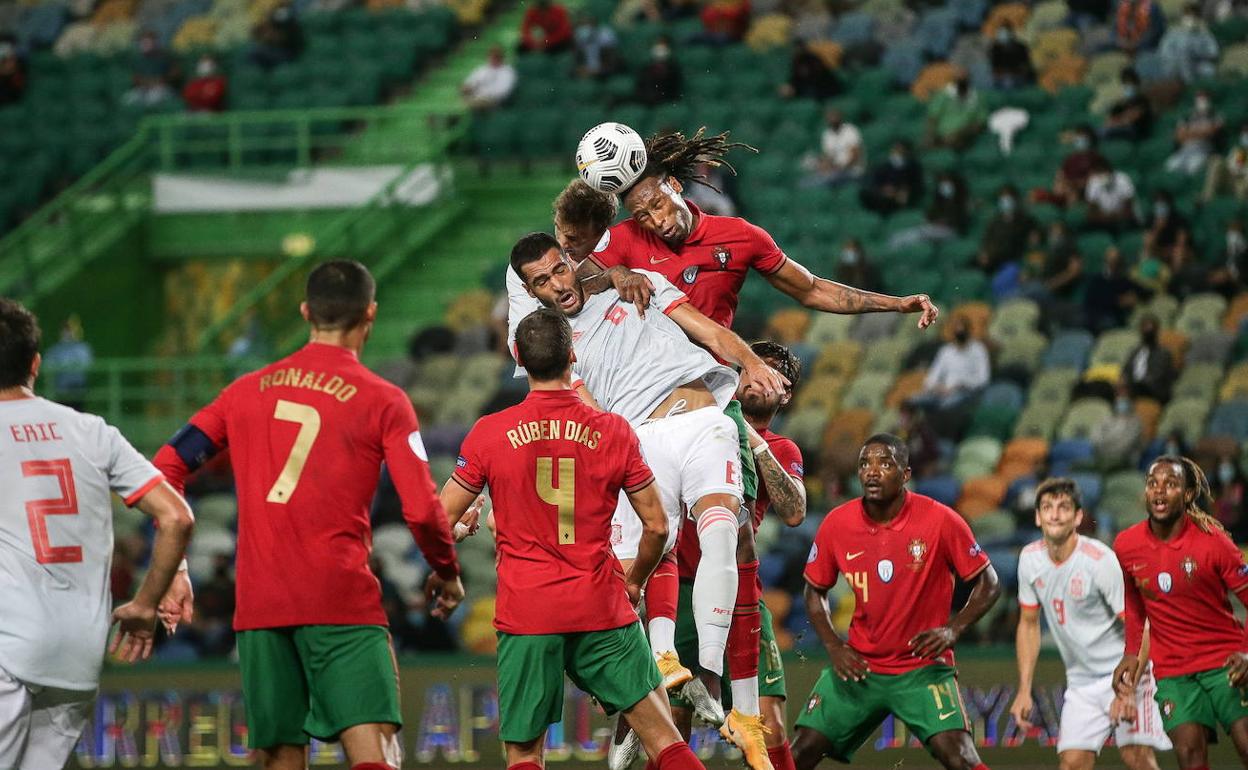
772 678
947 715
586 164
1137 567
654 261
852 556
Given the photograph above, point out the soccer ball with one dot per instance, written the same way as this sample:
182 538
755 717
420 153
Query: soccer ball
610 157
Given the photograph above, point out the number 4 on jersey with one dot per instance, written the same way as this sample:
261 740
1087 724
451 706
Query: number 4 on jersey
563 496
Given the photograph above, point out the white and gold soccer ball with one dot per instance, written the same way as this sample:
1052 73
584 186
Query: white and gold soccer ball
610 157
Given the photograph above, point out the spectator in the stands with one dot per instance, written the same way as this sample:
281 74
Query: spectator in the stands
1086 14
959 372
1229 174
724 21
1111 294
1010 59
206 91
68 362
12 72
1231 276
1150 371
1189 51
152 73
1165 224
897 183
278 39
1138 25
1196 136
1009 231
1131 117
1054 267
661 80
841 157
810 77
1187 275
490 84
1152 272
1111 198
955 115
597 52
946 216
1119 437
546 28
854 269
1070 181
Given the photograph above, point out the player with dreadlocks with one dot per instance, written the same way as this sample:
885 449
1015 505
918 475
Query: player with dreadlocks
708 257
1178 566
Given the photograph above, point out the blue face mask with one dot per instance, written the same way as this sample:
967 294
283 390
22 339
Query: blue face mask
1005 203
897 159
1161 210
1129 91
1082 142
946 189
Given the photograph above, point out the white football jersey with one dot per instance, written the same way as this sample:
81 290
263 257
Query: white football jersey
57 470
1082 599
519 305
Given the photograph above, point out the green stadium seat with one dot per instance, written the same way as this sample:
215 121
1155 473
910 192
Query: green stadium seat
996 421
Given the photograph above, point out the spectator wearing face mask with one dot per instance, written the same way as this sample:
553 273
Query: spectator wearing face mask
1053 269
1165 225
1189 51
854 269
895 184
1070 181
947 214
1196 136
955 116
1010 59
1008 232
596 48
206 91
1111 198
1138 25
661 80
12 72
841 157
1111 294
1150 372
1119 437
1229 173
959 372
1131 117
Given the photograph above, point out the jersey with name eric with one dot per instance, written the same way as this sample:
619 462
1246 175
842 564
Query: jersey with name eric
555 468
711 265
901 573
307 437
1181 587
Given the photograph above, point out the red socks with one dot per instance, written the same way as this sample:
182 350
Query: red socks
980 766
743 636
678 756
781 757
378 766
663 589
521 766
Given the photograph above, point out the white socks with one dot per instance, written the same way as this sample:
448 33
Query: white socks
715 586
745 696
662 635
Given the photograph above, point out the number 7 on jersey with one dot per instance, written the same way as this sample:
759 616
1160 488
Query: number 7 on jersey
309 421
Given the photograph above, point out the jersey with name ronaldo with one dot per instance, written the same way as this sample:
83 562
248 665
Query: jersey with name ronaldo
307 437
689 550
58 468
901 574
1181 587
1083 603
632 364
555 467
711 265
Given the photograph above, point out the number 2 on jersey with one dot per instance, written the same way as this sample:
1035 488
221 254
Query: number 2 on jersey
563 497
37 511
309 426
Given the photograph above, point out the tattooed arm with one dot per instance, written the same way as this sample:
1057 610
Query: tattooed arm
787 492
831 297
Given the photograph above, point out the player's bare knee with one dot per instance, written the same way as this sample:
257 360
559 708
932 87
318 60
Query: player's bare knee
808 749
1081 760
954 750
1138 757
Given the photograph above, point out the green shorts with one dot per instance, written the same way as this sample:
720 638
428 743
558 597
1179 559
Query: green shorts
615 666
1205 698
770 664
749 474
316 681
927 700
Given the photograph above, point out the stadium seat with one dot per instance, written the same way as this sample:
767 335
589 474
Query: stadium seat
1198 380
1230 418
839 358
1069 349
1149 412
944 489
842 440
1053 386
806 426
1211 348
1013 317
1068 455
871 328
980 496
1114 347
1090 488
1187 416
1024 351
1081 417
905 387
1005 394
822 391
1201 314
976 456
829 327
994 528
867 391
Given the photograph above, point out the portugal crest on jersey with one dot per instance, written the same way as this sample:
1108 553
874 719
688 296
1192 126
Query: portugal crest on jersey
690 274
1189 566
722 255
917 550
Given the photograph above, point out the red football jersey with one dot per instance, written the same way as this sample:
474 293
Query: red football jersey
689 550
555 468
710 267
307 437
901 573
1181 588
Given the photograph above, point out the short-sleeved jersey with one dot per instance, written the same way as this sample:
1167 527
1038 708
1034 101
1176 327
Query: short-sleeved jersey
901 572
308 436
711 266
689 551
1082 602
1181 587
57 469
555 467
632 364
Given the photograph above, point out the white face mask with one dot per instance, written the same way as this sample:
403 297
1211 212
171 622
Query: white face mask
205 69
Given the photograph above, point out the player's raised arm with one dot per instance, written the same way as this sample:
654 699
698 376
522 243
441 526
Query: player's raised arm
1027 648
725 344
787 492
831 297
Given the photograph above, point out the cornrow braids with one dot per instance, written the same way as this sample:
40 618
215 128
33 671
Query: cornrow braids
1194 478
672 154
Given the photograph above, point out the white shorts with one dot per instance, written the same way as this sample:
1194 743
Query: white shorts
1086 724
693 455
39 726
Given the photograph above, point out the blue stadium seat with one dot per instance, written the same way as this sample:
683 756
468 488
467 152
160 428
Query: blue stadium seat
1069 350
1090 486
945 489
1064 456
1230 419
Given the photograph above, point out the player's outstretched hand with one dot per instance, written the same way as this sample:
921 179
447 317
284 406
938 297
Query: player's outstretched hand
443 595
471 521
1237 669
133 640
178 604
922 304
1125 675
1122 709
764 378
632 287
1021 710
848 664
933 642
